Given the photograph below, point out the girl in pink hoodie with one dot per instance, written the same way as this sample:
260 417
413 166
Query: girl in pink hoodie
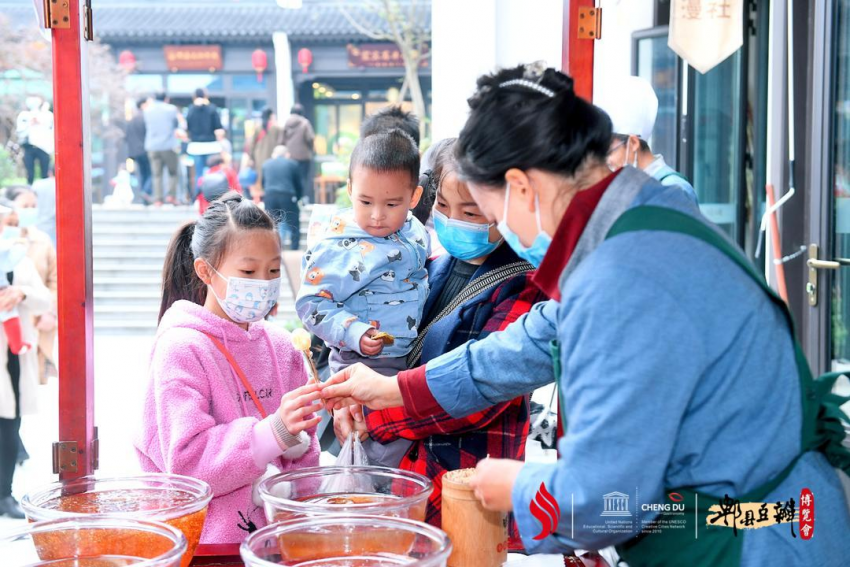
221 278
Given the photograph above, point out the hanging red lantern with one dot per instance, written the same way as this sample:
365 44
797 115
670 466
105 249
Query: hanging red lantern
127 60
260 62
305 58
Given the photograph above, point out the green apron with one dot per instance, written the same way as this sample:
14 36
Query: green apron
821 431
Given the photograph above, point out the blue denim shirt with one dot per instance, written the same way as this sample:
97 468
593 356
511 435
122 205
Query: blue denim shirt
677 371
354 281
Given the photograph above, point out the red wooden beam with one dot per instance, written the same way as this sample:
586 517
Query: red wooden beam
73 237
577 54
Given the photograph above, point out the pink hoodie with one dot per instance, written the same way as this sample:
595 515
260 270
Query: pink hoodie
199 421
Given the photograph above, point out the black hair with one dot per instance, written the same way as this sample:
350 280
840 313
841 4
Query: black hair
519 126
215 160
422 210
297 109
141 102
12 192
209 238
200 93
444 162
161 95
266 116
389 118
388 151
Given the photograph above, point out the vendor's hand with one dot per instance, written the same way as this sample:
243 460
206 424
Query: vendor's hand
46 323
493 483
345 424
10 297
370 346
298 406
359 384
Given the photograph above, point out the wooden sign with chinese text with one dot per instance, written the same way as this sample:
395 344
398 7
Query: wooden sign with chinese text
376 55
193 57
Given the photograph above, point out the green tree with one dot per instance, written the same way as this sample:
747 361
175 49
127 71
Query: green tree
403 24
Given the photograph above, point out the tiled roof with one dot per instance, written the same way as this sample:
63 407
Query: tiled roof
197 21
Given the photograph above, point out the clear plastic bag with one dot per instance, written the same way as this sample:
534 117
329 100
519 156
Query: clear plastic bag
352 454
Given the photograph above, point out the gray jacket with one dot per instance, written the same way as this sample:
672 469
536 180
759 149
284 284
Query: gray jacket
160 124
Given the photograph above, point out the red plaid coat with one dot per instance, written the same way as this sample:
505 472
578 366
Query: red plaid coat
442 443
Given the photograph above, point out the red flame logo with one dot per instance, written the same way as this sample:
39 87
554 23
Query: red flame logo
545 508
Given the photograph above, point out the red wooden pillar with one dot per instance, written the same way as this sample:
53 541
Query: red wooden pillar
76 454
577 54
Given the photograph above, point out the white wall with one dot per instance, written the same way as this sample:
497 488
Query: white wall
528 31
473 37
612 56
464 47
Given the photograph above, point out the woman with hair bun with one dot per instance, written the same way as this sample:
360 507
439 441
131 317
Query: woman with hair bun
676 365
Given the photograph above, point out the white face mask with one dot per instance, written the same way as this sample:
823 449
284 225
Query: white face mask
247 300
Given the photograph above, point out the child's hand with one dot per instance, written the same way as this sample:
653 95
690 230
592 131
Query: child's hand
345 423
370 346
297 406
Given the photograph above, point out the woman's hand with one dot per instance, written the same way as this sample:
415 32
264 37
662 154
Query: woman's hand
360 385
10 297
297 407
370 346
346 423
493 483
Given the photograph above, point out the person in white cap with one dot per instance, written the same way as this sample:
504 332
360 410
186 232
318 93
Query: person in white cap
632 106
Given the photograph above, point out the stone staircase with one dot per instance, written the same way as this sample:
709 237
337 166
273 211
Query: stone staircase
129 248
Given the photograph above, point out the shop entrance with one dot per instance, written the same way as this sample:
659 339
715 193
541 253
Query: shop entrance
827 299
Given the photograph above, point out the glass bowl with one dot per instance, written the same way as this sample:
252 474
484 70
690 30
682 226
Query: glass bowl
179 501
94 541
347 541
358 490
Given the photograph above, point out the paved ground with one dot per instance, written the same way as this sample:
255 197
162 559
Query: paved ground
120 380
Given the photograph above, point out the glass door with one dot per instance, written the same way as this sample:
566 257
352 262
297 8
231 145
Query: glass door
826 316
840 292
718 144
658 64
710 126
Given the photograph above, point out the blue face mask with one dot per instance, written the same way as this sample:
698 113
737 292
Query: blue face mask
463 240
27 217
532 254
